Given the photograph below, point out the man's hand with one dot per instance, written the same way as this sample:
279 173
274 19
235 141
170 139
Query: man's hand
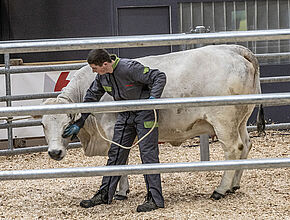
71 130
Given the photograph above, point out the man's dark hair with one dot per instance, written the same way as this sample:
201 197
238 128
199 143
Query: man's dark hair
98 57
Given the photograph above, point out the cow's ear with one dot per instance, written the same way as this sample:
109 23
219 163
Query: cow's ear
74 117
36 116
77 116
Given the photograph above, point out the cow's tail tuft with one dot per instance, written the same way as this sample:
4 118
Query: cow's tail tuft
261 121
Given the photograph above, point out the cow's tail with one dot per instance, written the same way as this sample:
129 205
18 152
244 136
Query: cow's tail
261 121
248 55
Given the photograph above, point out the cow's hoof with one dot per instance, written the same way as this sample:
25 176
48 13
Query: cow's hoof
230 191
120 197
235 188
216 196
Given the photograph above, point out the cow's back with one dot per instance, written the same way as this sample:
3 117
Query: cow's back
208 71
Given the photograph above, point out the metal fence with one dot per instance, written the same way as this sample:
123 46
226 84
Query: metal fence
116 42
134 41
48 45
271 98
28 46
144 169
99 107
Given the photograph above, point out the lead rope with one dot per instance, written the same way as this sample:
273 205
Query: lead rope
128 148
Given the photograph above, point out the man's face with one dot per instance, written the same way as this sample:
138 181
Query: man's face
105 68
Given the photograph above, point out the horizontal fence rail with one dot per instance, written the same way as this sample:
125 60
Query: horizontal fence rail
163 103
42 68
273 55
67 44
38 123
29 96
20 124
38 149
76 66
271 127
144 169
55 94
277 79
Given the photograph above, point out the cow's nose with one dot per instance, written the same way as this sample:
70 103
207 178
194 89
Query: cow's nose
55 154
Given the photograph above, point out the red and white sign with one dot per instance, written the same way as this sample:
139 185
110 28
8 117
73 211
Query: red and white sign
32 83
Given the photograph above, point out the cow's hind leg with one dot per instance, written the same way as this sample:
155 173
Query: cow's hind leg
247 145
232 145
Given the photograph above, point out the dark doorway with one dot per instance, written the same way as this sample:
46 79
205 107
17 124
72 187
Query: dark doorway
141 21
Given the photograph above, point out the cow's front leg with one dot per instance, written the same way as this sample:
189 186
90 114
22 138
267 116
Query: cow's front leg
121 194
123 187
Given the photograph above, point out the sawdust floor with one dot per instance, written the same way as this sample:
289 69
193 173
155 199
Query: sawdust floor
264 194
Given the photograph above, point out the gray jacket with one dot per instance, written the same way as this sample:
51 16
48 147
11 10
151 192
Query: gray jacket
130 80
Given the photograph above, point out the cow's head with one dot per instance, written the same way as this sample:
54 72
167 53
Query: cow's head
53 127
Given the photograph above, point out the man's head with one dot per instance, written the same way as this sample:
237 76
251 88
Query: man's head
100 61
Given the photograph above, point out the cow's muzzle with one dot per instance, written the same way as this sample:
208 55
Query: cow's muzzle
55 154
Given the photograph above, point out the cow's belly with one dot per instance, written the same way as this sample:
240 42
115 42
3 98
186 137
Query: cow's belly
178 125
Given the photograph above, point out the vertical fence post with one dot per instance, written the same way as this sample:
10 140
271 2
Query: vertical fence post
8 102
204 147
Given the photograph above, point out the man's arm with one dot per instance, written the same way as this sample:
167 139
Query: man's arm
95 91
93 94
152 77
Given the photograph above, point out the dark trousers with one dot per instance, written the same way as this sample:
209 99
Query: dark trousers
128 125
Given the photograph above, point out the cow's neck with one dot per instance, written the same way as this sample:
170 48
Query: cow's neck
72 97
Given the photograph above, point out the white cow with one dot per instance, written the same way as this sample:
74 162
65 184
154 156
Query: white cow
208 71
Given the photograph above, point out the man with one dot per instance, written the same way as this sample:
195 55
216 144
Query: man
125 79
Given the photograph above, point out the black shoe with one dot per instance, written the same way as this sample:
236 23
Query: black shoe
101 197
148 205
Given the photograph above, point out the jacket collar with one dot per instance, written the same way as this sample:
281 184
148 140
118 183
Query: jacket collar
116 59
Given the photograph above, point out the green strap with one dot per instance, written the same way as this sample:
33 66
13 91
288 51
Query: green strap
149 124
146 69
107 88
116 59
